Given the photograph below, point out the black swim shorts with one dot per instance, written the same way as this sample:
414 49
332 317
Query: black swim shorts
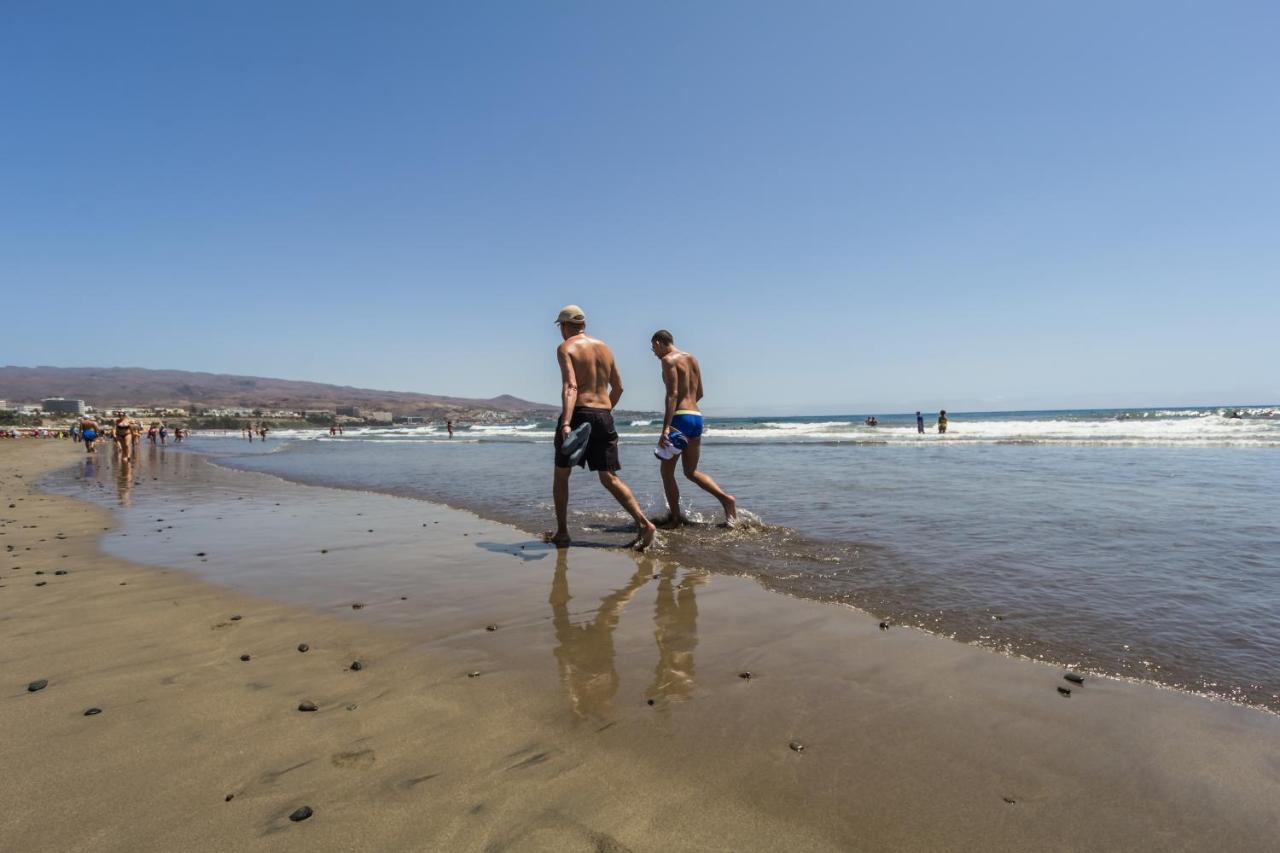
602 447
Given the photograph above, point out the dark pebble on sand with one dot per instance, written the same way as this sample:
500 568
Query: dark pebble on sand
357 606
491 627
308 706
39 572
324 550
357 665
245 658
404 598
236 618
650 702
38 684
370 529
744 674
41 583
884 626
796 746
303 647
228 798
1009 800
301 814
201 554
60 572
1073 678
92 712
351 707
1065 691
475 674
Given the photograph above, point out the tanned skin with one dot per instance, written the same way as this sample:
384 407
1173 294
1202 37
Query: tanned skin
682 377
589 377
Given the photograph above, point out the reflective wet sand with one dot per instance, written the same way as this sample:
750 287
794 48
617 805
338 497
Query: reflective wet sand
608 711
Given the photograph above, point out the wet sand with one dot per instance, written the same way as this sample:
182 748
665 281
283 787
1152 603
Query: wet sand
607 713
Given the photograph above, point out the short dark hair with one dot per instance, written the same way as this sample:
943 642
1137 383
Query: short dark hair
662 336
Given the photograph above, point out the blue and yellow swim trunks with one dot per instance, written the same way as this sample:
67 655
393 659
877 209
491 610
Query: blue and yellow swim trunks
687 422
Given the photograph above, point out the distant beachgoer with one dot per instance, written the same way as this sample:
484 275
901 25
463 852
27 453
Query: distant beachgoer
152 433
872 421
942 421
682 428
262 432
164 433
919 423
124 436
449 426
590 386
333 430
89 434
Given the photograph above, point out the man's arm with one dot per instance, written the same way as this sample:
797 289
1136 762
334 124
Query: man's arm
671 380
568 387
615 383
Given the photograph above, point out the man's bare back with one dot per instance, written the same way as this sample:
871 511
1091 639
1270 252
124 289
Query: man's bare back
592 370
681 371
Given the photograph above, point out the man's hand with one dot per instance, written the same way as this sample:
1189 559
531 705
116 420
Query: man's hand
565 428
663 441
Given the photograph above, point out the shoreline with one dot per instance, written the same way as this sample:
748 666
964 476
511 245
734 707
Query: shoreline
911 741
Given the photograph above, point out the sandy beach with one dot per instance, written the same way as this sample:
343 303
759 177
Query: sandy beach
512 697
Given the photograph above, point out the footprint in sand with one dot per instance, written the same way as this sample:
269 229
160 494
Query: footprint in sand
358 760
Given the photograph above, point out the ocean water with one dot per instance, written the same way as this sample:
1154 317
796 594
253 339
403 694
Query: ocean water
1139 543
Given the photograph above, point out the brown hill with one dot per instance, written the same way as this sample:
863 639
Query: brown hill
138 386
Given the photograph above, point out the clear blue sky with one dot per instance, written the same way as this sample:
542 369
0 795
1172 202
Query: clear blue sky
837 206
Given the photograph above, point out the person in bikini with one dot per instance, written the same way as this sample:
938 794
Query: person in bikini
590 386
124 436
681 434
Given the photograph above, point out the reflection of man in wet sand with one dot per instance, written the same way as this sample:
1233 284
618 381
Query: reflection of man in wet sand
124 479
584 651
675 629
590 386
682 424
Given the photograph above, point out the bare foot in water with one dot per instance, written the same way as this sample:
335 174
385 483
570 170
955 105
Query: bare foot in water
730 504
669 522
560 540
645 539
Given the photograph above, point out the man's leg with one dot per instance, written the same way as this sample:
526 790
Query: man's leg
622 495
690 459
672 489
560 495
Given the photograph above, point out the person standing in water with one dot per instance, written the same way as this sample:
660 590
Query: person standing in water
919 423
942 422
590 387
449 426
682 428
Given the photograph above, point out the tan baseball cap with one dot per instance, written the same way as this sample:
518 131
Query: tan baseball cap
571 314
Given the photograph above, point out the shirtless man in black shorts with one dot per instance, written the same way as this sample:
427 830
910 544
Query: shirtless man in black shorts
590 387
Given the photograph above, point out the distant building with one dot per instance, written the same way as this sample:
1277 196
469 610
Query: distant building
318 413
412 420
4 406
59 406
379 417
349 411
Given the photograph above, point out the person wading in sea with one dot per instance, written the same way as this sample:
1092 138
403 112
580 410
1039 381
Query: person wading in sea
682 428
590 386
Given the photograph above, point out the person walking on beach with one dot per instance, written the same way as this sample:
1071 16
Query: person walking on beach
681 434
919 423
942 422
590 386
124 436
89 434
449 426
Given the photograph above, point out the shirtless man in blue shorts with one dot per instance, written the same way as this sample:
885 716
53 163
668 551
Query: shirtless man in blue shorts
590 386
682 428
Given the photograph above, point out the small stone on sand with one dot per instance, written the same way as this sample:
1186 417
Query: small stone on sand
301 814
884 626
308 706
473 674
236 618
60 572
357 665
650 702
351 707
1065 691
357 606
201 554
41 583
744 674
324 550
1009 800
303 647
38 684
1074 678
229 798
244 658
92 712
491 627
796 746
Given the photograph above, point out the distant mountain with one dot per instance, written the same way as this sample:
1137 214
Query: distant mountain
138 386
